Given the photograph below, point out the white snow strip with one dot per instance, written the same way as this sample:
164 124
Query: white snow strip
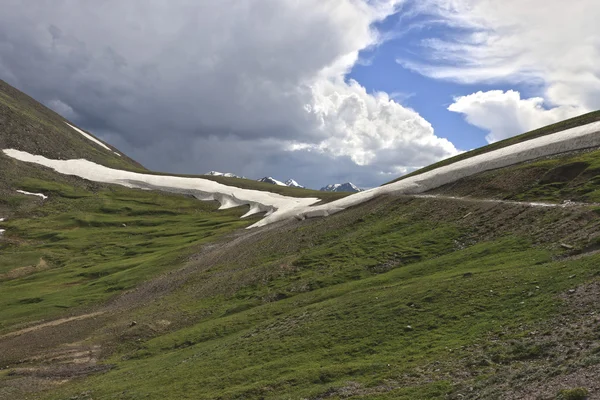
2 231
2 219
43 196
582 137
203 189
90 137
280 207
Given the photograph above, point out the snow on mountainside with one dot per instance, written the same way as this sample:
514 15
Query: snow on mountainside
341 187
273 181
93 139
293 183
278 207
225 174
202 189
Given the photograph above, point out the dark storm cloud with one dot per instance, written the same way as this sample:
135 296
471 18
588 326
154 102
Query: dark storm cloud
228 85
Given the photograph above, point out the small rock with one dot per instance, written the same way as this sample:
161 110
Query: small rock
571 291
133 323
566 246
572 276
467 274
408 328
124 225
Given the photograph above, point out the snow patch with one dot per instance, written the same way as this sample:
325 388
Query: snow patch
93 139
43 196
272 204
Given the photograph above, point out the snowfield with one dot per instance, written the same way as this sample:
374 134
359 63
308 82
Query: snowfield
280 207
203 189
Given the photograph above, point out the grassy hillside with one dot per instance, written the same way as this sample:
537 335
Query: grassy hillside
114 293
546 130
27 125
398 298
81 246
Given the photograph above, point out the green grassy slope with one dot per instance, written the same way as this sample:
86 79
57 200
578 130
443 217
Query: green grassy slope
27 125
546 130
397 298
81 247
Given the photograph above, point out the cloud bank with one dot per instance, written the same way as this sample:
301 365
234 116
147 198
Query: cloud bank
252 87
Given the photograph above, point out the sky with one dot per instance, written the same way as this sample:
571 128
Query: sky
321 91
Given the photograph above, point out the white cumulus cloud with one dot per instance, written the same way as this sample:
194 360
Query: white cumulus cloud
506 114
551 46
365 126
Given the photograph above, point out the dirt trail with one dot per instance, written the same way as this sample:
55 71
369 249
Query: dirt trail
51 323
565 204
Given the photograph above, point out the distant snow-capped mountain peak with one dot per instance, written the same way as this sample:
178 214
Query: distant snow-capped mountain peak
341 187
273 181
225 174
293 183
